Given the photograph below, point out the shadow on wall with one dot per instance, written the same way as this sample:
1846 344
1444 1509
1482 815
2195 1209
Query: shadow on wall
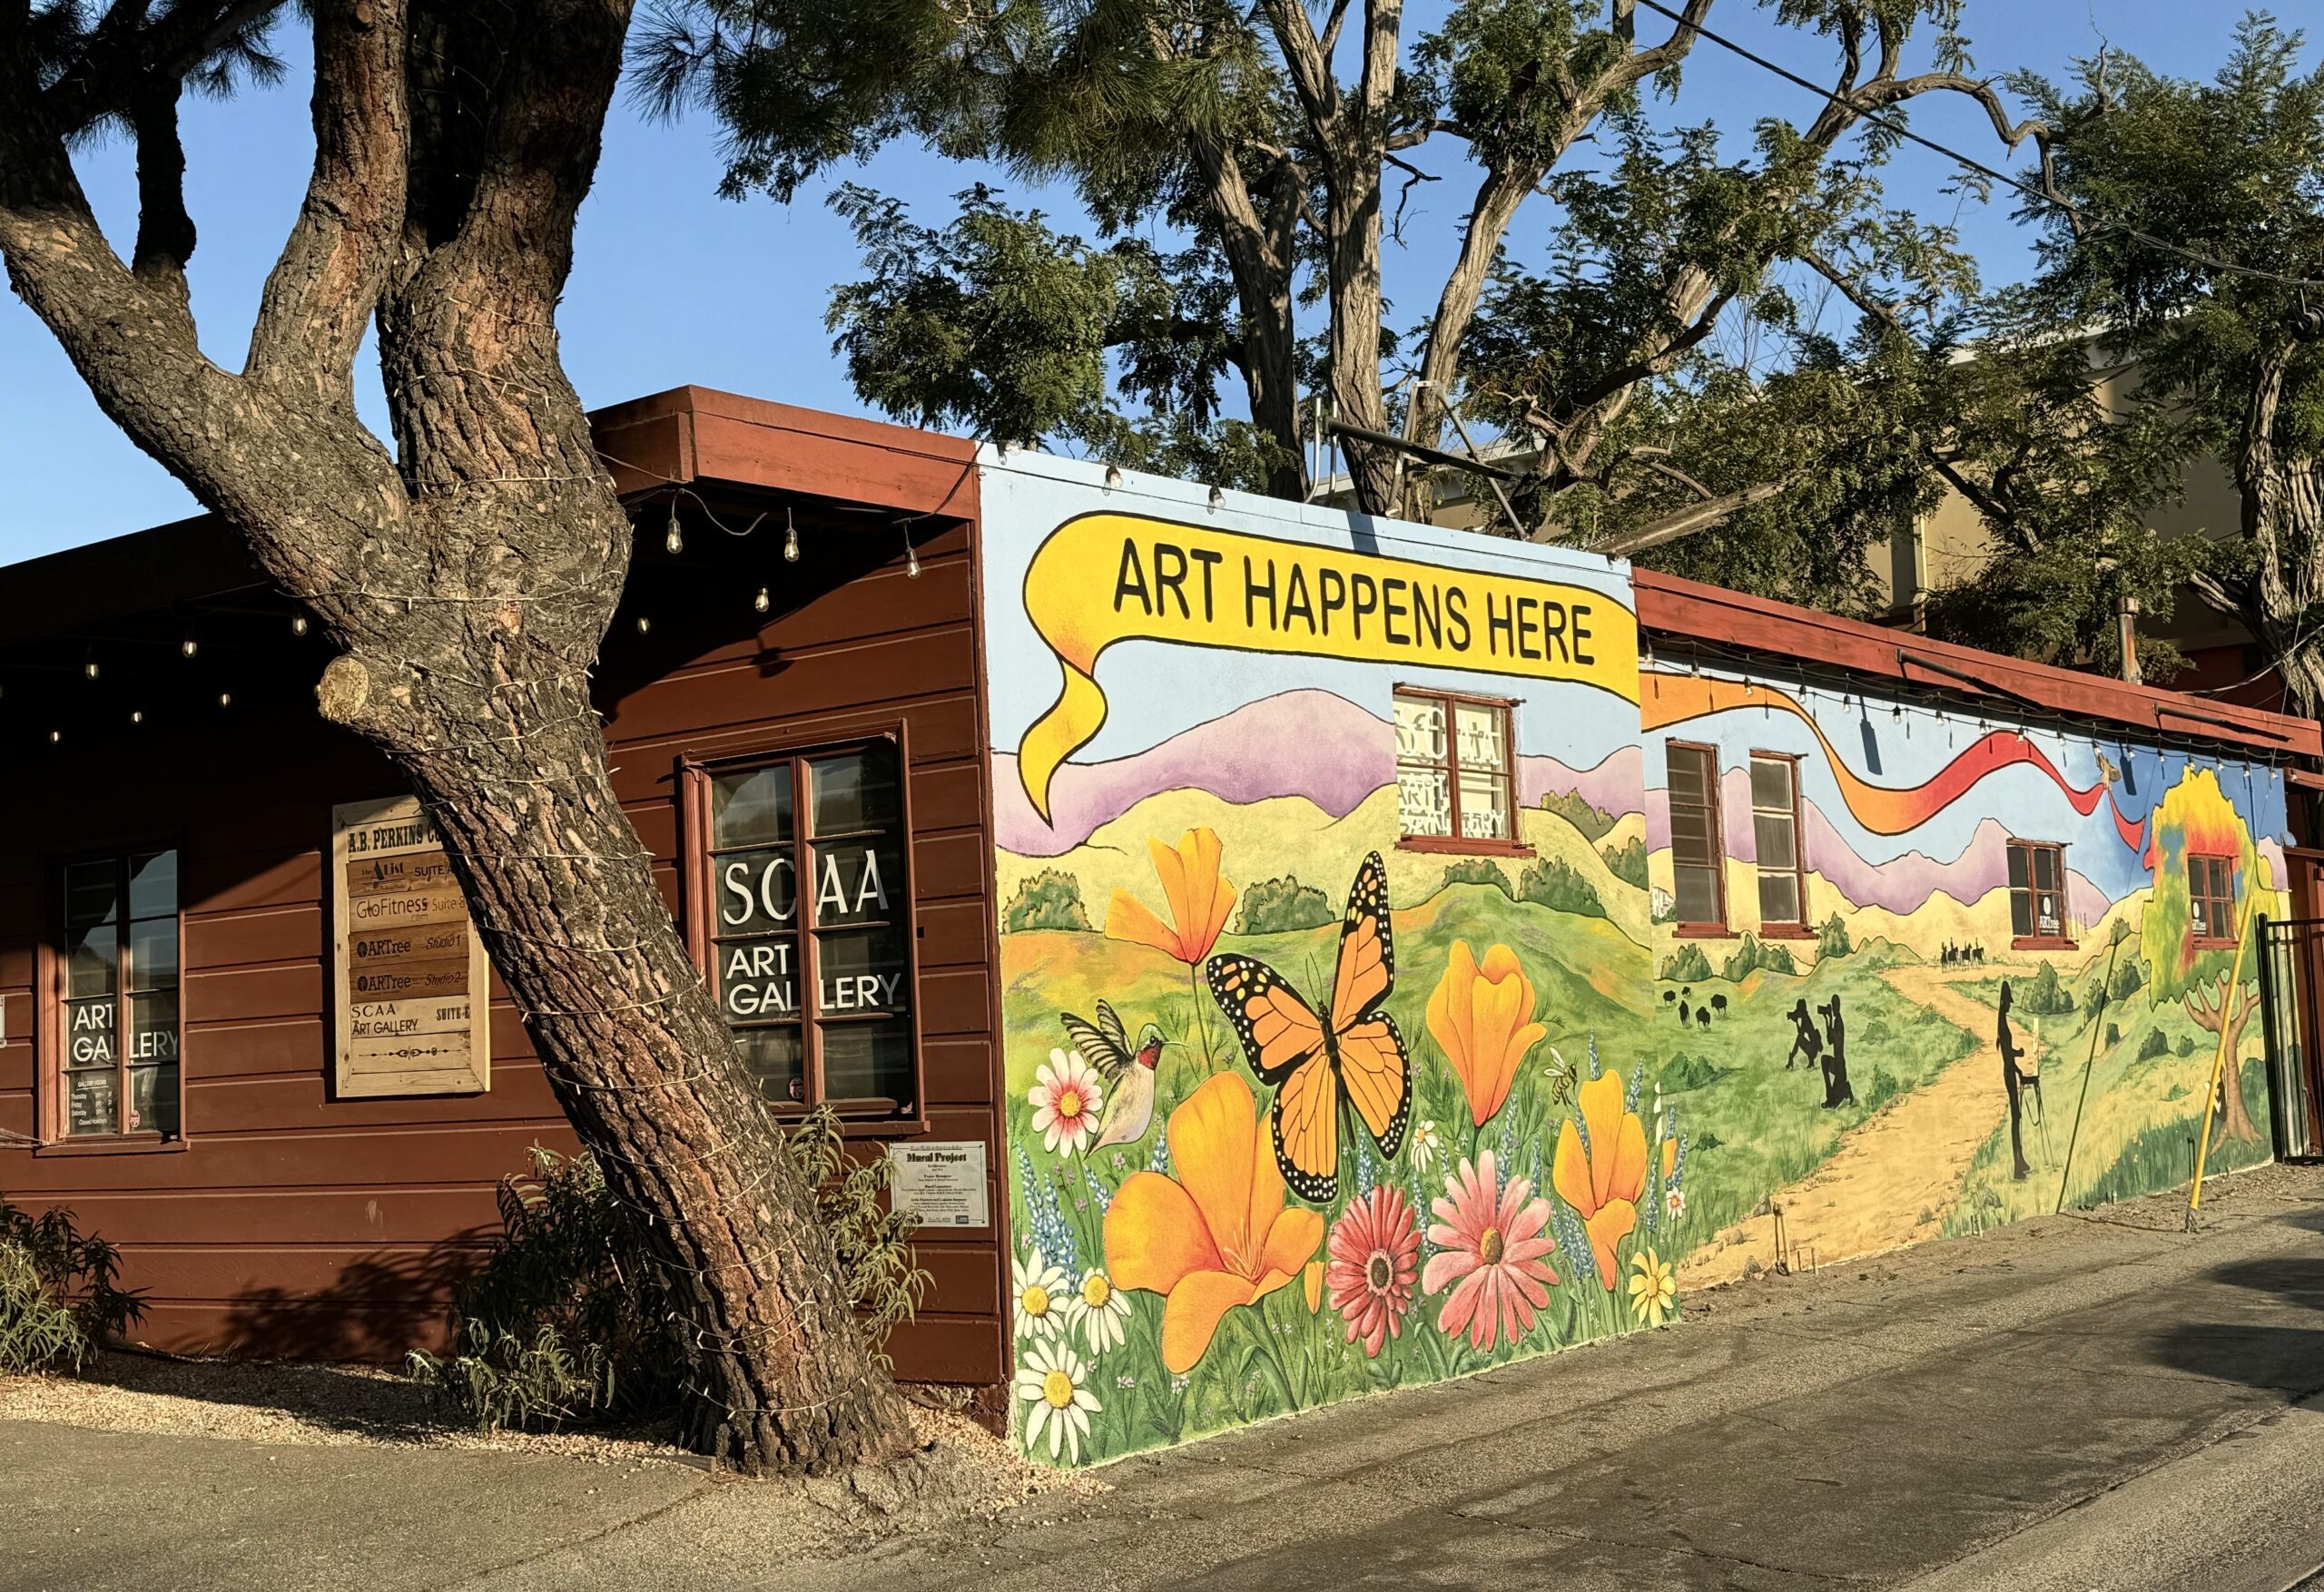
379 1309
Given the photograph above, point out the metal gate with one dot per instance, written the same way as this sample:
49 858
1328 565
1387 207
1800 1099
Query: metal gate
2292 977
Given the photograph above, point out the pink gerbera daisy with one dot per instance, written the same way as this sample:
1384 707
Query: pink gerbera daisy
1375 1259
1493 1248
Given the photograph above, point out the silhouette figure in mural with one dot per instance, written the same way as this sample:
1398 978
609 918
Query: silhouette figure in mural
1836 1088
1686 1013
1806 1045
2013 1080
1948 961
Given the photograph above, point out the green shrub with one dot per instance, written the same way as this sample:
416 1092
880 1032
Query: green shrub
2114 1034
1755 955
1686 965
1048 899
1627 862
59 1293
1478 871
1883 1088
2128 980
1592 822
2044 995
2156 1043
1832 940
1690 1072
1274 906
1553 883
570 1318
2186 1045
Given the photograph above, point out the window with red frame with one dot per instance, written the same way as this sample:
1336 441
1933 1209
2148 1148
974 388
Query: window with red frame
111 1050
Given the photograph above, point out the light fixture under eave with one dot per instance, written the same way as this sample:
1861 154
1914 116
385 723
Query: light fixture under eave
763 602
675 540
55 736
298 625
790 539
189 646
225 699
644 624
137 715
90 668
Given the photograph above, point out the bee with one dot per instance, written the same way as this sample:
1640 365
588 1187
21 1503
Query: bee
1561 1077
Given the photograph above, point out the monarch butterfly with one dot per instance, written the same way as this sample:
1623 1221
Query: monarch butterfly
1350 1057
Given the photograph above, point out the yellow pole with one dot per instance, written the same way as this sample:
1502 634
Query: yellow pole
2220 1059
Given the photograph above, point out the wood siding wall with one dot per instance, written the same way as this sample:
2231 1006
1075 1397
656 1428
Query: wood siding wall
287 1222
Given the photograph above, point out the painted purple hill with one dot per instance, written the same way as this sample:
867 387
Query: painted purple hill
1343 754
1902 884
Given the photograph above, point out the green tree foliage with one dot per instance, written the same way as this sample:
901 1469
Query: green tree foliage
1686 965
1832 938
1552 882
2223 170
2045 994
59 1294
1627 861
1050 898
1478 871
1576 809
1755 955
1276 906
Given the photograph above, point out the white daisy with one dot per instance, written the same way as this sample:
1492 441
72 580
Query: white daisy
1098 1309
1040 1291
1066 1097
1674 1200
1048 1379
1426 1145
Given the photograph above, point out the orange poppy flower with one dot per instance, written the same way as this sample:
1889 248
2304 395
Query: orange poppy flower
1604 1181
1199 900
1216 1234
1481 1018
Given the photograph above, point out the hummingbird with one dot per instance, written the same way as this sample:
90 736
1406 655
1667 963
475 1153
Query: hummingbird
1128 1071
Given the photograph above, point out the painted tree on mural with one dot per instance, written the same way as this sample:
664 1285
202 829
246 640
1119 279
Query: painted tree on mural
1283 150
2196 821
467 577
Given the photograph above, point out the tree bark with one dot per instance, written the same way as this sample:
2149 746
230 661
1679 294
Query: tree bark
468 581
2282 493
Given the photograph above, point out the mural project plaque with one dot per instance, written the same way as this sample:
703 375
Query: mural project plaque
411 989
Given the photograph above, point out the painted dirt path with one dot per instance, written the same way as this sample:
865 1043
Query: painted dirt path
1892 1179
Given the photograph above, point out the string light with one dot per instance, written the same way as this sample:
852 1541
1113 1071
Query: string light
298 625
90 667
225 699
762 602
790 539
189 646
137 715
911 556
55 736
674 540
644 624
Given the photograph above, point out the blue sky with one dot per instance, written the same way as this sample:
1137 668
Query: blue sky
673 284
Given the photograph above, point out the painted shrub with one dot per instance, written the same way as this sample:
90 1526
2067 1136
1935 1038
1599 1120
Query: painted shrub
1450 990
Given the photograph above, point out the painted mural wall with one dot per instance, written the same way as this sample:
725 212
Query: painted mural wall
1381 1007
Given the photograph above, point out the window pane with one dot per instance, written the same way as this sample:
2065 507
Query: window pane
855 792
152 1029
775 1061
2020 871
1420 730
1779 897
858 881
859 971
752 809
1689 776
1771 783
153 1100
89 1099
92 894
92 961
1697 897
2045 868
89 1032
2020 912
1776 840
1484 807
755 892
2199 917
1481 735
2046 920
758 978
153 954
867 1061
153 885
1423 801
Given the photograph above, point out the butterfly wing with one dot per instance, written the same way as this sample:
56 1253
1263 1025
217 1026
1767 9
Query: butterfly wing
1375 1073
1367 961
1283 1039
1099 1049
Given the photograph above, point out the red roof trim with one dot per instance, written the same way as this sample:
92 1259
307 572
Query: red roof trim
1669 606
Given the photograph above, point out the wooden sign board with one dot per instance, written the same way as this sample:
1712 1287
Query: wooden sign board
411 991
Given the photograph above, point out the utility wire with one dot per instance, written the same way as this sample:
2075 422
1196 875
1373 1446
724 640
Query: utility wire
2208 261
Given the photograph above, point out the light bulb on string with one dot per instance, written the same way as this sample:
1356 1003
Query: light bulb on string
225 699
55 736
911 556
644 624
137 715
298 625
189 646
790 539
90 667
763 602
674 540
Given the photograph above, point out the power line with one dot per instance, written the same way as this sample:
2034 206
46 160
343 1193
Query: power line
1971 163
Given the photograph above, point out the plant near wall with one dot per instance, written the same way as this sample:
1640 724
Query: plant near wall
1048 899
465 575
1275 906
60 1293
1627 862
1552 882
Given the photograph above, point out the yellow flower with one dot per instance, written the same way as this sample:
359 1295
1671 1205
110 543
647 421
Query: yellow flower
1604 1181
1216 1234
1481 1018
1311 1284
1198 900
1654 1290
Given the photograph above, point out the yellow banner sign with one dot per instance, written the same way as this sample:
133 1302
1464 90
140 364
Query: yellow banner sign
1103 578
